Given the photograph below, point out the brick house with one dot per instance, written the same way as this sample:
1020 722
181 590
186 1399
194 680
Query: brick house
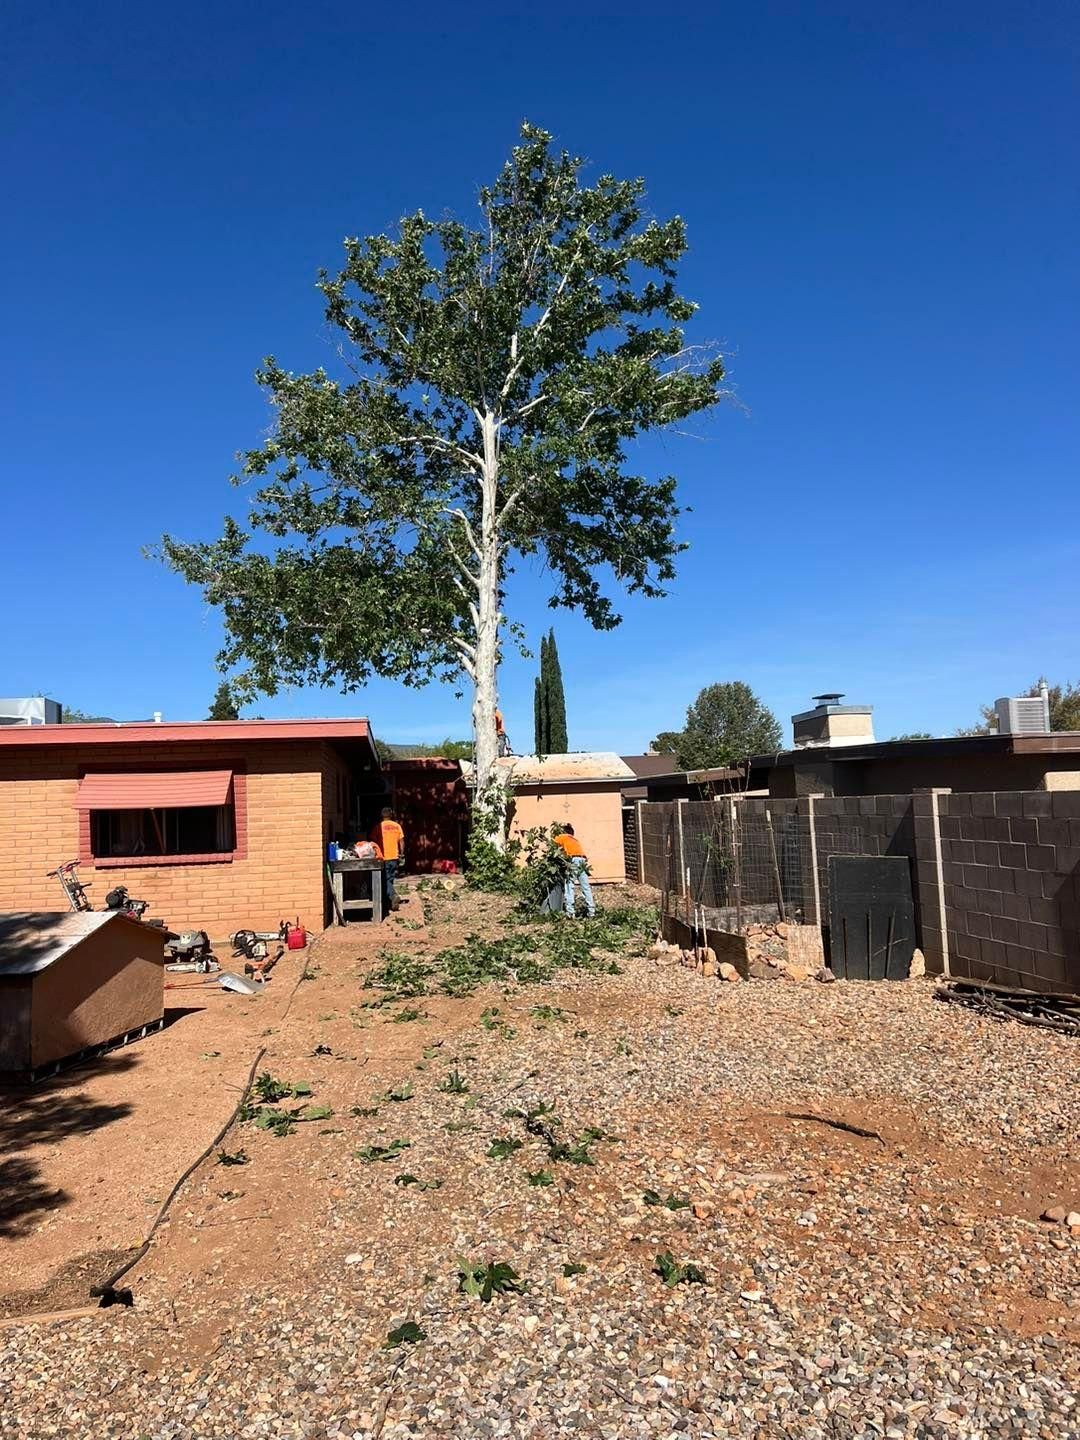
219 824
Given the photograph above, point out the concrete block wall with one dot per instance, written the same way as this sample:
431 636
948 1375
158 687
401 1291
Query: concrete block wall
277 870
862 825
1011 869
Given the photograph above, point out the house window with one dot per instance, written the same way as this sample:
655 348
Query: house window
162 817
191 830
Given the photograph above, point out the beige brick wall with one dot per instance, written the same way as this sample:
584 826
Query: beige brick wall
288 787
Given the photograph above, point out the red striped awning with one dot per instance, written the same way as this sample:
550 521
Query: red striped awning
161 790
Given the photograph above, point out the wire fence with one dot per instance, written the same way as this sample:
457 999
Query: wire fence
747 859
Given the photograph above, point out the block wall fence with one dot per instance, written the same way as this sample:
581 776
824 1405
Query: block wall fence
995 875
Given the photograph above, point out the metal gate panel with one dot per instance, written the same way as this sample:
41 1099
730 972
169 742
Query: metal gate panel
871 917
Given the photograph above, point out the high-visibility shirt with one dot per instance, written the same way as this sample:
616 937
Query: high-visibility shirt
498 722
570 845
390 838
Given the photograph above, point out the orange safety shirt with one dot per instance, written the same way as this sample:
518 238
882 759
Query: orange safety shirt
498 722
569 845
390 838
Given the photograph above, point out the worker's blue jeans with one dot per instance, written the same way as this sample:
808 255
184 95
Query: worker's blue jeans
579 876
389 871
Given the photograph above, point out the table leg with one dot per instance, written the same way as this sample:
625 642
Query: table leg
337 879
377 895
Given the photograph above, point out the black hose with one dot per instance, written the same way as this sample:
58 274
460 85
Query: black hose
106 1289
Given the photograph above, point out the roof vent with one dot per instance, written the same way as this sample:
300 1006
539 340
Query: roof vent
1024 714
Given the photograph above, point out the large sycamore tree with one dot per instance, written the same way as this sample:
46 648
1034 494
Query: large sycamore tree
490 381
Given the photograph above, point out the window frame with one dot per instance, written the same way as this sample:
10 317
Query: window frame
130 862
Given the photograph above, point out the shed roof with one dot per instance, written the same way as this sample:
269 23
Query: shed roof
31 940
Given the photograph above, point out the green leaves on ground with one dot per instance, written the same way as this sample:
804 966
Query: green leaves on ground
268 1090
502 1147
672 1273
573 1269
533 953
374 1153
404 1181
540 1177
404 1017
454 1084
494 1278
547 1012
408 1334
235 1157
652 1197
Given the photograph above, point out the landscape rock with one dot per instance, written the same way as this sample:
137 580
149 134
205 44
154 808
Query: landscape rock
1055 1215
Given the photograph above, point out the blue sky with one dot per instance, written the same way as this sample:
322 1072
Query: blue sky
883 213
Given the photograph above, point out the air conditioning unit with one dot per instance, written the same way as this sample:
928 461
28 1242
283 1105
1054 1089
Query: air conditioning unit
1023 715
32 710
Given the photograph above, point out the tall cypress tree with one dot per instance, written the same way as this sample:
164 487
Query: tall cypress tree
538 716
555 701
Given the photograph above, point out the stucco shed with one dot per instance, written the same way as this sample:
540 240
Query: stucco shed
72 982
583 789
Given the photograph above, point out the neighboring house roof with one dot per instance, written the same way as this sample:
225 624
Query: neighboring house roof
1058 742
141 732
582 767
31 940
646 766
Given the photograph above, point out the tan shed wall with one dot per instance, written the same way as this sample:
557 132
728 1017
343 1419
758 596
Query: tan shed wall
281 874
594 812
112 982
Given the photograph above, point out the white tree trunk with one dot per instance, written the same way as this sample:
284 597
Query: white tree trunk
488 618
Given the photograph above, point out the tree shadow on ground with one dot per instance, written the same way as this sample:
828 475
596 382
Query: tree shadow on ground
44 1115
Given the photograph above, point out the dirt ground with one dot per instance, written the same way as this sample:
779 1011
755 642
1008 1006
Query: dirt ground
719 1094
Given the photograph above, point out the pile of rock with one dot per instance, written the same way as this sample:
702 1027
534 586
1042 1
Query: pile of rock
663 954
779 950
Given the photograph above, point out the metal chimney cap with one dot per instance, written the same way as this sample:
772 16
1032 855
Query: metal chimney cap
830 697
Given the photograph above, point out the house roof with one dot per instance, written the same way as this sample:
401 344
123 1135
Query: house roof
646 766
141 732
581 767
1059 742
31 940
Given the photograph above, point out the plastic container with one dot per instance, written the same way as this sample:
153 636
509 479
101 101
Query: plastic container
332 852
296 937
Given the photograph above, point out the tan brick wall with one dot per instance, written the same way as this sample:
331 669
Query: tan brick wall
281 875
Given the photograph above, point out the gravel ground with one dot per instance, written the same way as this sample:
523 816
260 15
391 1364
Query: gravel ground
897 1283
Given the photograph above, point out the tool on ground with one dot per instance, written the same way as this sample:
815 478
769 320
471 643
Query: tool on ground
190 949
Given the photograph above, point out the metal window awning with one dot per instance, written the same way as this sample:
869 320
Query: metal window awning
160 790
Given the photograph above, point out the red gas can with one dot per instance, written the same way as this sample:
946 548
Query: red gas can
296 937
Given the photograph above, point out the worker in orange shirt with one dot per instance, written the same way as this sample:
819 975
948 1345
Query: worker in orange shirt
390 838
578 876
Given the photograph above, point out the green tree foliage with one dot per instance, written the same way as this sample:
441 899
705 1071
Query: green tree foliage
223 706
1064 708
913 735
555 702
667 742
70 716
493 379
726 723
445 750
549 703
